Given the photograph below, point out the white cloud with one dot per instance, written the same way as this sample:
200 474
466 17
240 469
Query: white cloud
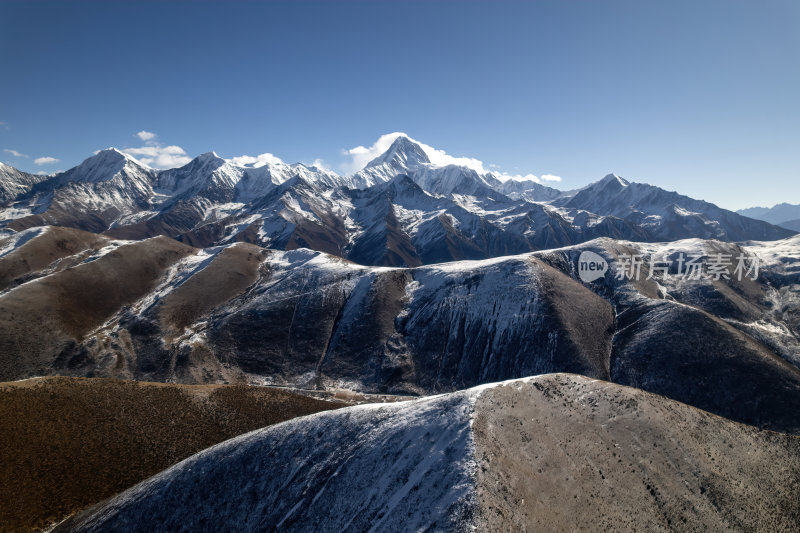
46 160
361 155
146 135
255 161
549 177
14 153
158 156
320 164
544 178
5 125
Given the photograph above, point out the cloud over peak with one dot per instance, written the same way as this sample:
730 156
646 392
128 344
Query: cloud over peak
255 161
156 155
544 178
359 156
45 160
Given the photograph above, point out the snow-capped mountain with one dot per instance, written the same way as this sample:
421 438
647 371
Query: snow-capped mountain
415 277
91 196
14 182
400 209
665 215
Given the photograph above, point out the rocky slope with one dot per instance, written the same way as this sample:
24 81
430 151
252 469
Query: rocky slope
555 453
163 311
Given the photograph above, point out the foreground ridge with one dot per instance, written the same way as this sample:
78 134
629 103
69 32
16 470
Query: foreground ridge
557 452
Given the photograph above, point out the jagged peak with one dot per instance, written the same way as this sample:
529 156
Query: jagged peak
209 156
102 166
107 159
403 152
205 160
109 154
613 178
113 156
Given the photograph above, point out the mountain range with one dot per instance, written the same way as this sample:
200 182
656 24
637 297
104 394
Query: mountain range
784 215
399 210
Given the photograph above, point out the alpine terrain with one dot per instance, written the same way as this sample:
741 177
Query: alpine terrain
615 357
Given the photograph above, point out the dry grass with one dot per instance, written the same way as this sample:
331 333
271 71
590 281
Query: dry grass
67 443
40 318
227 276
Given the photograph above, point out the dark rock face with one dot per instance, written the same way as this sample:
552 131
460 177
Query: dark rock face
729 346
14 182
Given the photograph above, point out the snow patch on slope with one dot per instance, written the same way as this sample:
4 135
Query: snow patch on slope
15 240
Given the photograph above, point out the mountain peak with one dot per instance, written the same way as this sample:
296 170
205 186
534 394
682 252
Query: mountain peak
208 156
207 159
113 156
105 160
613 178
102 166
403 152
110 154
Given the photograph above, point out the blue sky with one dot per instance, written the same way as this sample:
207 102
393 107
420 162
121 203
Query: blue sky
696 96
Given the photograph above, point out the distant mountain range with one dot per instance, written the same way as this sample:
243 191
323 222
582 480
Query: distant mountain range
784 215
399 210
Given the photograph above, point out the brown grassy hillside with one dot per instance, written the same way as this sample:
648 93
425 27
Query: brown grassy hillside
53 249
67 443
40 318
